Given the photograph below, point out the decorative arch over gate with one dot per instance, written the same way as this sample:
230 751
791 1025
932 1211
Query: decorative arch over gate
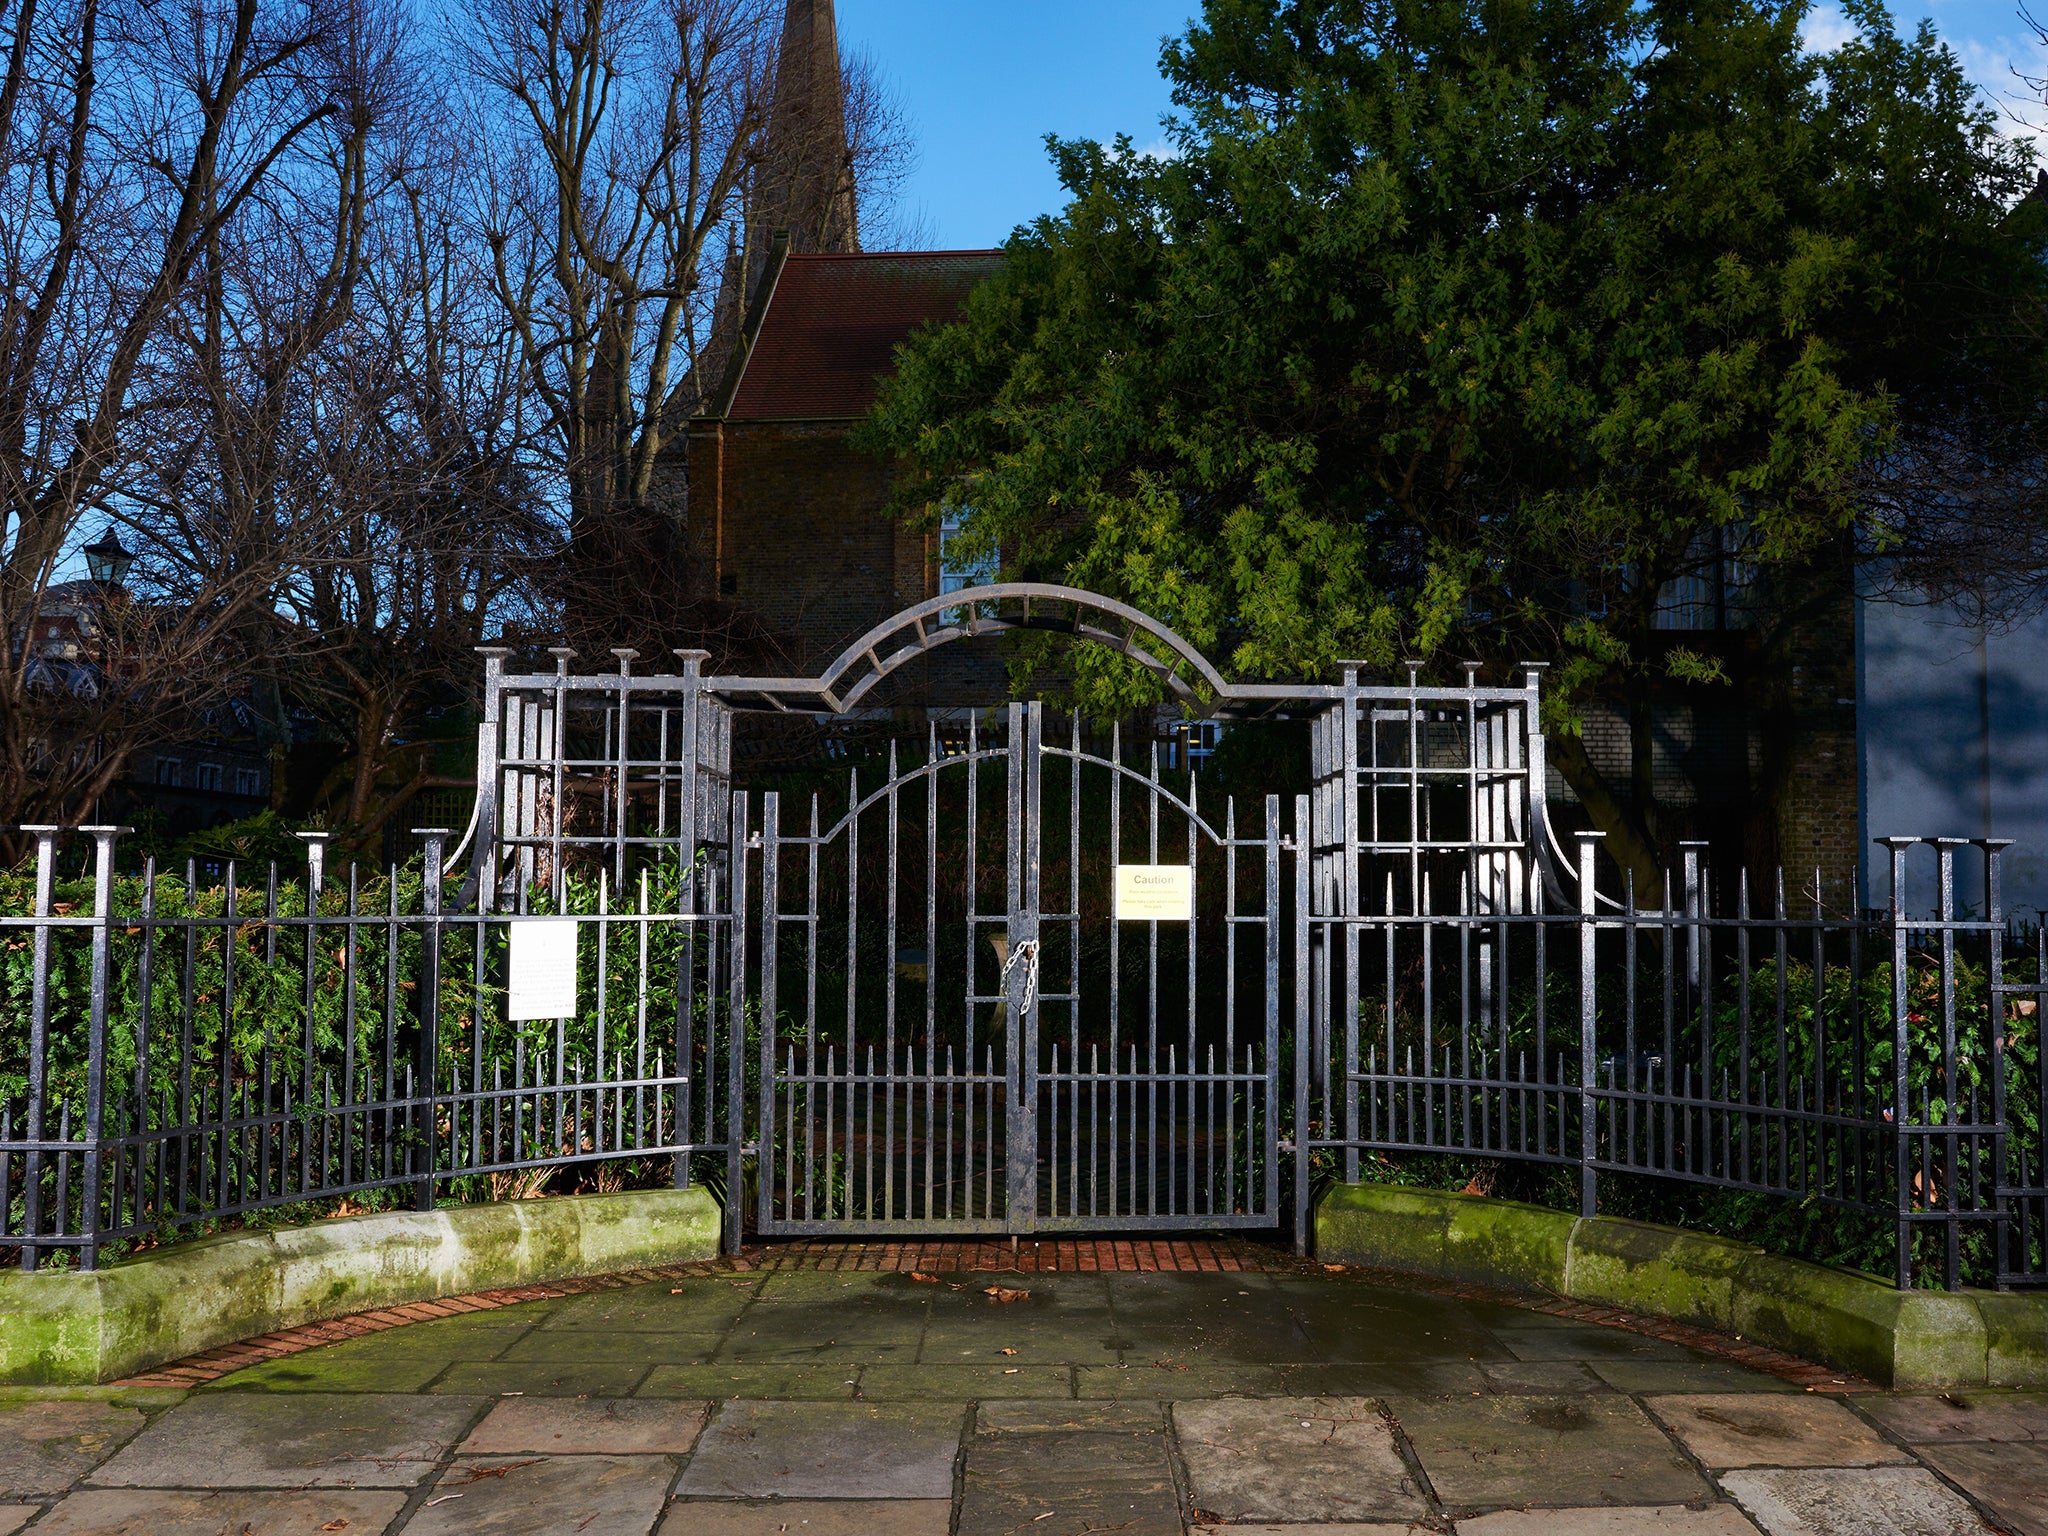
1421 794
1006 608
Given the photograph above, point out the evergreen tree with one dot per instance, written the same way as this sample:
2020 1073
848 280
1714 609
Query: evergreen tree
1461 328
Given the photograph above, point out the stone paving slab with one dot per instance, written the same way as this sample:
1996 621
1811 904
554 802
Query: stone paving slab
560 1426
1064 1484
771 1383
1348 1528
122 1512
2010 1480
1169 1383
1864 1501
1920 1420
1584 1343
45 1447
827 1451
1018 1342
14 1516
1773 1430
292 1440
1298 1459
1485 1453
927 1383
591 1346
1446 1378
318 1371
793 1334
1668 1520
1026 1418
1541 1378
1687 1376
490 1378
704 1305
506 1496
836 1517
1367 1323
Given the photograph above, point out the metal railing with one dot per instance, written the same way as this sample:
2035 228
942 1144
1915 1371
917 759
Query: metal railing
173 1053
1888 1067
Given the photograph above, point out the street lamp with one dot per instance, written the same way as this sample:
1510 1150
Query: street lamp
107 562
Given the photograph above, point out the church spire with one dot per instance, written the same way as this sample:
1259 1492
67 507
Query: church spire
806 177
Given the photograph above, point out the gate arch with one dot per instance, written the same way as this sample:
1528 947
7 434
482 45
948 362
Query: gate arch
1004 608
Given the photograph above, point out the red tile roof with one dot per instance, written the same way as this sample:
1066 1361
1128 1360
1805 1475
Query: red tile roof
833 324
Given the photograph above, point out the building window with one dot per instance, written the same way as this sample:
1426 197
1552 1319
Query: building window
1196 740
248 782
957 569
1719 592
206 776
170 771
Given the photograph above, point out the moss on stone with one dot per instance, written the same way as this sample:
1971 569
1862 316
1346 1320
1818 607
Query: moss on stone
1662 1271
1486 1238
2015 1339
1855 1322
72 1327
1383 1226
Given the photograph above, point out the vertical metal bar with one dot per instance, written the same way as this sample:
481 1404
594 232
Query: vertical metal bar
428 993
38 1042
1268 1143
770 1006
1589 845
1901 1111
483 848
89 1215
736 1029
1305 1034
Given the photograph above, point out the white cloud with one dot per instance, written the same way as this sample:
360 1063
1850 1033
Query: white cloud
1827 28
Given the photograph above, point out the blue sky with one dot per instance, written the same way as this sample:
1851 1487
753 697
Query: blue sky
984 82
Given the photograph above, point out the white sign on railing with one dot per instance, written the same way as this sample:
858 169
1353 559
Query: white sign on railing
1155 893
541 978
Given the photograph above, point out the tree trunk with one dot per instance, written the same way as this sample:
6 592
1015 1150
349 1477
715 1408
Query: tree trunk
1631 844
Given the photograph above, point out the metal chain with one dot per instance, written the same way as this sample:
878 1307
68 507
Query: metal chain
1026 954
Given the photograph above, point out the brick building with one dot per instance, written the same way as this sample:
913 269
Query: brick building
787 517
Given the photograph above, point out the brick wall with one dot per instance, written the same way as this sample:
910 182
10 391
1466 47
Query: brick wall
789 520
1763 770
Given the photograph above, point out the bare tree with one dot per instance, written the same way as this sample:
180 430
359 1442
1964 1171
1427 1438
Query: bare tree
617 138
136 141
416 438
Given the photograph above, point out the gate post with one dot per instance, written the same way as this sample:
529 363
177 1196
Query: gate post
771 939
1304 1024
1589 1065
1021 1112
736 1025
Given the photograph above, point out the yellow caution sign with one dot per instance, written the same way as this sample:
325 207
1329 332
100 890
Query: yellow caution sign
1155 893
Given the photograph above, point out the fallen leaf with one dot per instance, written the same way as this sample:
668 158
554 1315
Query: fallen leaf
1006 1351
1335 1269
1005 1294
677 1291
335 1525
1009 1370
922 1278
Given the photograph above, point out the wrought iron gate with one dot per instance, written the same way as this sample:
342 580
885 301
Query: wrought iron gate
956 1032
